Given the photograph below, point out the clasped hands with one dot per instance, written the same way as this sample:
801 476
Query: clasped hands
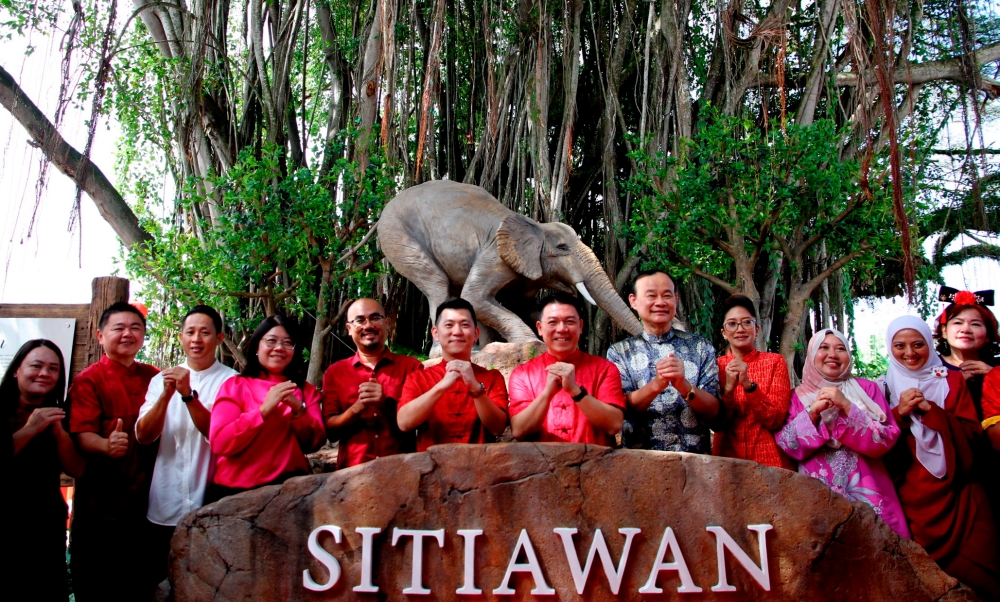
370 393
42 418
669 371
736 372
457 370
826 398
561 375
283 392
177 379
912 399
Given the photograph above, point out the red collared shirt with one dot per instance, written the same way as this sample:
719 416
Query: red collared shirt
374 433
454 418
565 421
100 395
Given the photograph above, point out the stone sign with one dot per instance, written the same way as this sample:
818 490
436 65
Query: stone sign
548 521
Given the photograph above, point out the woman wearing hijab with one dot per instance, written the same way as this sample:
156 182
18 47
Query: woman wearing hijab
838 428
946 510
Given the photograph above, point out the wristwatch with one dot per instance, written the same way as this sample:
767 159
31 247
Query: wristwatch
689 396
191 397
482 391
752 388
579 396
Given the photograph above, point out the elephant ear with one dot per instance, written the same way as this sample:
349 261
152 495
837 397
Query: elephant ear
519 241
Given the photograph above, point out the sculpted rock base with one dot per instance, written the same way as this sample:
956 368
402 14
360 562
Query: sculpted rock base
254 546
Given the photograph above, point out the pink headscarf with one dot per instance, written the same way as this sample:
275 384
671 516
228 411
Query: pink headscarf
813 380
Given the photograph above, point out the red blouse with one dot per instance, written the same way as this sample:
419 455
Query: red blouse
754 417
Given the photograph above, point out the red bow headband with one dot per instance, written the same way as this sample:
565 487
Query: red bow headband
953 295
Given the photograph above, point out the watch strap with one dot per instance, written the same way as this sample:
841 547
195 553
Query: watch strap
579 396
191 397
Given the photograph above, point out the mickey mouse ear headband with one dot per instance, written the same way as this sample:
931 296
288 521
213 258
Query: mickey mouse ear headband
953 295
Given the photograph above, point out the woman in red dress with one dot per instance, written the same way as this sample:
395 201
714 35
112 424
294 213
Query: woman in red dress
755 390
931 464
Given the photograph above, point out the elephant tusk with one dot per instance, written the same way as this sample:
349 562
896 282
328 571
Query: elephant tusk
586 295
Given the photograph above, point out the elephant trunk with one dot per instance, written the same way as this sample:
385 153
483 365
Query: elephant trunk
602 291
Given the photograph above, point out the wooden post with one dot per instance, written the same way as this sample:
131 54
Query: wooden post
107 290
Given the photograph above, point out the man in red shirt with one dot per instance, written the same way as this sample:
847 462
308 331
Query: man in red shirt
454 401
565 394
360 393
109 545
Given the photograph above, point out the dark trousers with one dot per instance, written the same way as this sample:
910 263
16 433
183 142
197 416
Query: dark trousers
112 560
159 540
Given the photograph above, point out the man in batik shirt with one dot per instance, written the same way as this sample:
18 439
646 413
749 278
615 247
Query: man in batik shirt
670 377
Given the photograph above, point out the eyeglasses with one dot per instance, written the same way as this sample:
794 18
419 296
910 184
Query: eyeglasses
374 320
733 325
283 343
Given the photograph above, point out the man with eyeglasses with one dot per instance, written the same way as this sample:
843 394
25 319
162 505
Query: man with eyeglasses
455 401
669 376
565 394
360 393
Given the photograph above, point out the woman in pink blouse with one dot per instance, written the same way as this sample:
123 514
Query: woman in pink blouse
838 428
266 419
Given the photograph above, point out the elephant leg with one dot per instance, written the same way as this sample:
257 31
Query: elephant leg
422 271
488 275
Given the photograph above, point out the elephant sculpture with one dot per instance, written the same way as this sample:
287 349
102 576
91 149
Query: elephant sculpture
452 240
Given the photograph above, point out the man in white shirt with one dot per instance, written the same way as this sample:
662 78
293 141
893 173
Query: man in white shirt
177 411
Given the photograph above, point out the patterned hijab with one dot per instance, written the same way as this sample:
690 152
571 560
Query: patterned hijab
932 380
813 380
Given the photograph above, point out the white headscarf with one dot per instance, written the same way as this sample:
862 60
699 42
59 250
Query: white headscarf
932 380
813 380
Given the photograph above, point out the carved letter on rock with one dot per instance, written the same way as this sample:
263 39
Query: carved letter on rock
366 585
599 546
325 558
541 587
723 540
687 584
469 587
417 570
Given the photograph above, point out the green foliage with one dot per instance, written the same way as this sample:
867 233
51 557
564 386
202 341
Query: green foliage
741 191
267 242
876 364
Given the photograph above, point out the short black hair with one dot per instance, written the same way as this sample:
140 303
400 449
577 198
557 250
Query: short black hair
295 371
739 300
206 311
454 303
118 308
651 272
559 297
